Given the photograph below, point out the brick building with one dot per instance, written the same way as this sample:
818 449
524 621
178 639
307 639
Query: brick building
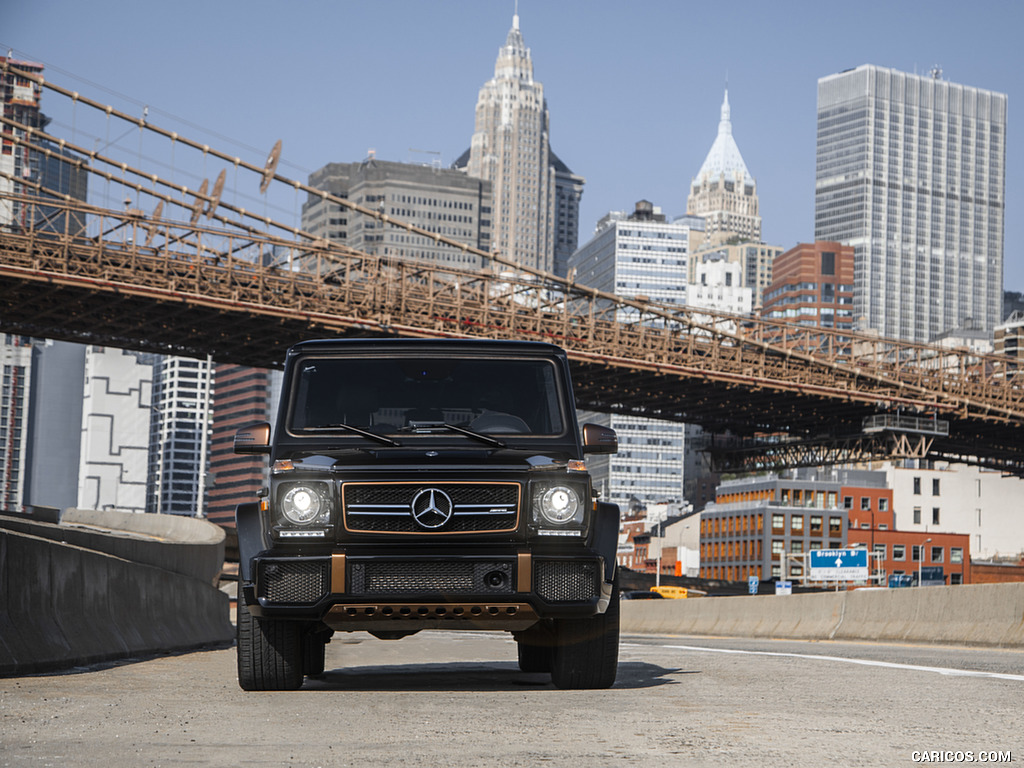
756 522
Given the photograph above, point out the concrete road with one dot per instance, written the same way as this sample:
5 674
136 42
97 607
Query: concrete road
458 699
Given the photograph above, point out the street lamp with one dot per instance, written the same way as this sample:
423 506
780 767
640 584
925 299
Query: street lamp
920 562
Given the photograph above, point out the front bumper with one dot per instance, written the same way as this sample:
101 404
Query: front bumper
496 590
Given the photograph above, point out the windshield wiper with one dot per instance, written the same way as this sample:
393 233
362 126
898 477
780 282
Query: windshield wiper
417 425
357 431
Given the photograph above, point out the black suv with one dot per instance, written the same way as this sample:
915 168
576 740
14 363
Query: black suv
427 484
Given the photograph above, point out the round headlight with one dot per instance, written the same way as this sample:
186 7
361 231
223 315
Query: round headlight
559 505
302 505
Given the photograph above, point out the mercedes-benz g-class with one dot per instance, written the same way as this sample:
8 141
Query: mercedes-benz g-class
427 484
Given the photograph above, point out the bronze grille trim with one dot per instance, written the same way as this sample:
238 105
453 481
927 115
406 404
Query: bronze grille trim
400 511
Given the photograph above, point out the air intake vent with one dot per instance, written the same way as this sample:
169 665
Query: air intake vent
293 581
560 581
450 578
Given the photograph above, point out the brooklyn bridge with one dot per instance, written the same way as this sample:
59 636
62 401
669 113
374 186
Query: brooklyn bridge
156 265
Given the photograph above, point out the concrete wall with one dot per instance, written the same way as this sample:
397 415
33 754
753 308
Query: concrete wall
92 591
983 614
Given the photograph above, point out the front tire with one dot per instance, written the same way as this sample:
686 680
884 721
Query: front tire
586 652
270 652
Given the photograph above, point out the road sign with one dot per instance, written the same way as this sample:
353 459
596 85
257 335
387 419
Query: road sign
752 584
783 587
838 564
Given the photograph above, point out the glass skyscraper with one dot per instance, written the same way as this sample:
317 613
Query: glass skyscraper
911 172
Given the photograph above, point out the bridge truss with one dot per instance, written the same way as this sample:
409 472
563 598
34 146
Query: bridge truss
180 270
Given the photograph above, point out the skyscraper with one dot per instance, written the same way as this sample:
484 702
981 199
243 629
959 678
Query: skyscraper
179 436
724 192
639 254
536 196
26 171
911 173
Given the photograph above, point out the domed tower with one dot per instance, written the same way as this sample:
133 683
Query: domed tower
724 192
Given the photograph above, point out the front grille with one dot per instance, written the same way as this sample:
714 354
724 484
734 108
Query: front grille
458 577
560 581
293 581
388 507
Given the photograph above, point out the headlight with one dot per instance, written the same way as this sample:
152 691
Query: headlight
560 505
304 504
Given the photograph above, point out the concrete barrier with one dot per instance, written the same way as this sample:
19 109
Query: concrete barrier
91 591
175 543
983 614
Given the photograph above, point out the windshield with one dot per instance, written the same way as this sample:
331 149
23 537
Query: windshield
413 396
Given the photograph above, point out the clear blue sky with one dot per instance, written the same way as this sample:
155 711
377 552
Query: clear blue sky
633 89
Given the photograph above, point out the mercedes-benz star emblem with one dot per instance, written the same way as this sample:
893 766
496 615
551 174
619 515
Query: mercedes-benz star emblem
432 508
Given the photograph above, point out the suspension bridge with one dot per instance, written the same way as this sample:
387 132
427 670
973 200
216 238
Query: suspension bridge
146 262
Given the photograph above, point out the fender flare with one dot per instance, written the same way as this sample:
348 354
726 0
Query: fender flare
606 536
251 538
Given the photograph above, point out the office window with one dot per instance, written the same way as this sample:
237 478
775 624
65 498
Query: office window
796 546
865 503
778 522
883 504
917 486
917 515
899 551
835 526
935 487
778 547
879 549
935 515
956 554
816 524
796 524
915 553
938 554
847 502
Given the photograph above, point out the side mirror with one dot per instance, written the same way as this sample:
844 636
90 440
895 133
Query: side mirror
598 439
254 438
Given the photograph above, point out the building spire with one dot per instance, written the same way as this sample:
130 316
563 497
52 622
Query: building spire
724 157
725 124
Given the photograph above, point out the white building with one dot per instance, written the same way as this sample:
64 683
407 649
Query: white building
16 362
957 498
179 436
630 255
116 412
719 286
911 171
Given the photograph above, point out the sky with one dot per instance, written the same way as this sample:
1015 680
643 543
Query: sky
633 89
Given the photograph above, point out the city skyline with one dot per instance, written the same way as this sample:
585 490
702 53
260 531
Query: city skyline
634 97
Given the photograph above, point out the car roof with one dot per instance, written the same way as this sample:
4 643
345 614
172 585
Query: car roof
488 346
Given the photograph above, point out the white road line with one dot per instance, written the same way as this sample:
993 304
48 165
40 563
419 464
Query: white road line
842 659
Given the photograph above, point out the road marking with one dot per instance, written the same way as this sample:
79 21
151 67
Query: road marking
843 659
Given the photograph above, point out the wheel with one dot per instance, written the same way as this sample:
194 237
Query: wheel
586 651
269 653
534 658
314 646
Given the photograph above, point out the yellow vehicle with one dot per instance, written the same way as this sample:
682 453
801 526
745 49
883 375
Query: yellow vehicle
676 593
